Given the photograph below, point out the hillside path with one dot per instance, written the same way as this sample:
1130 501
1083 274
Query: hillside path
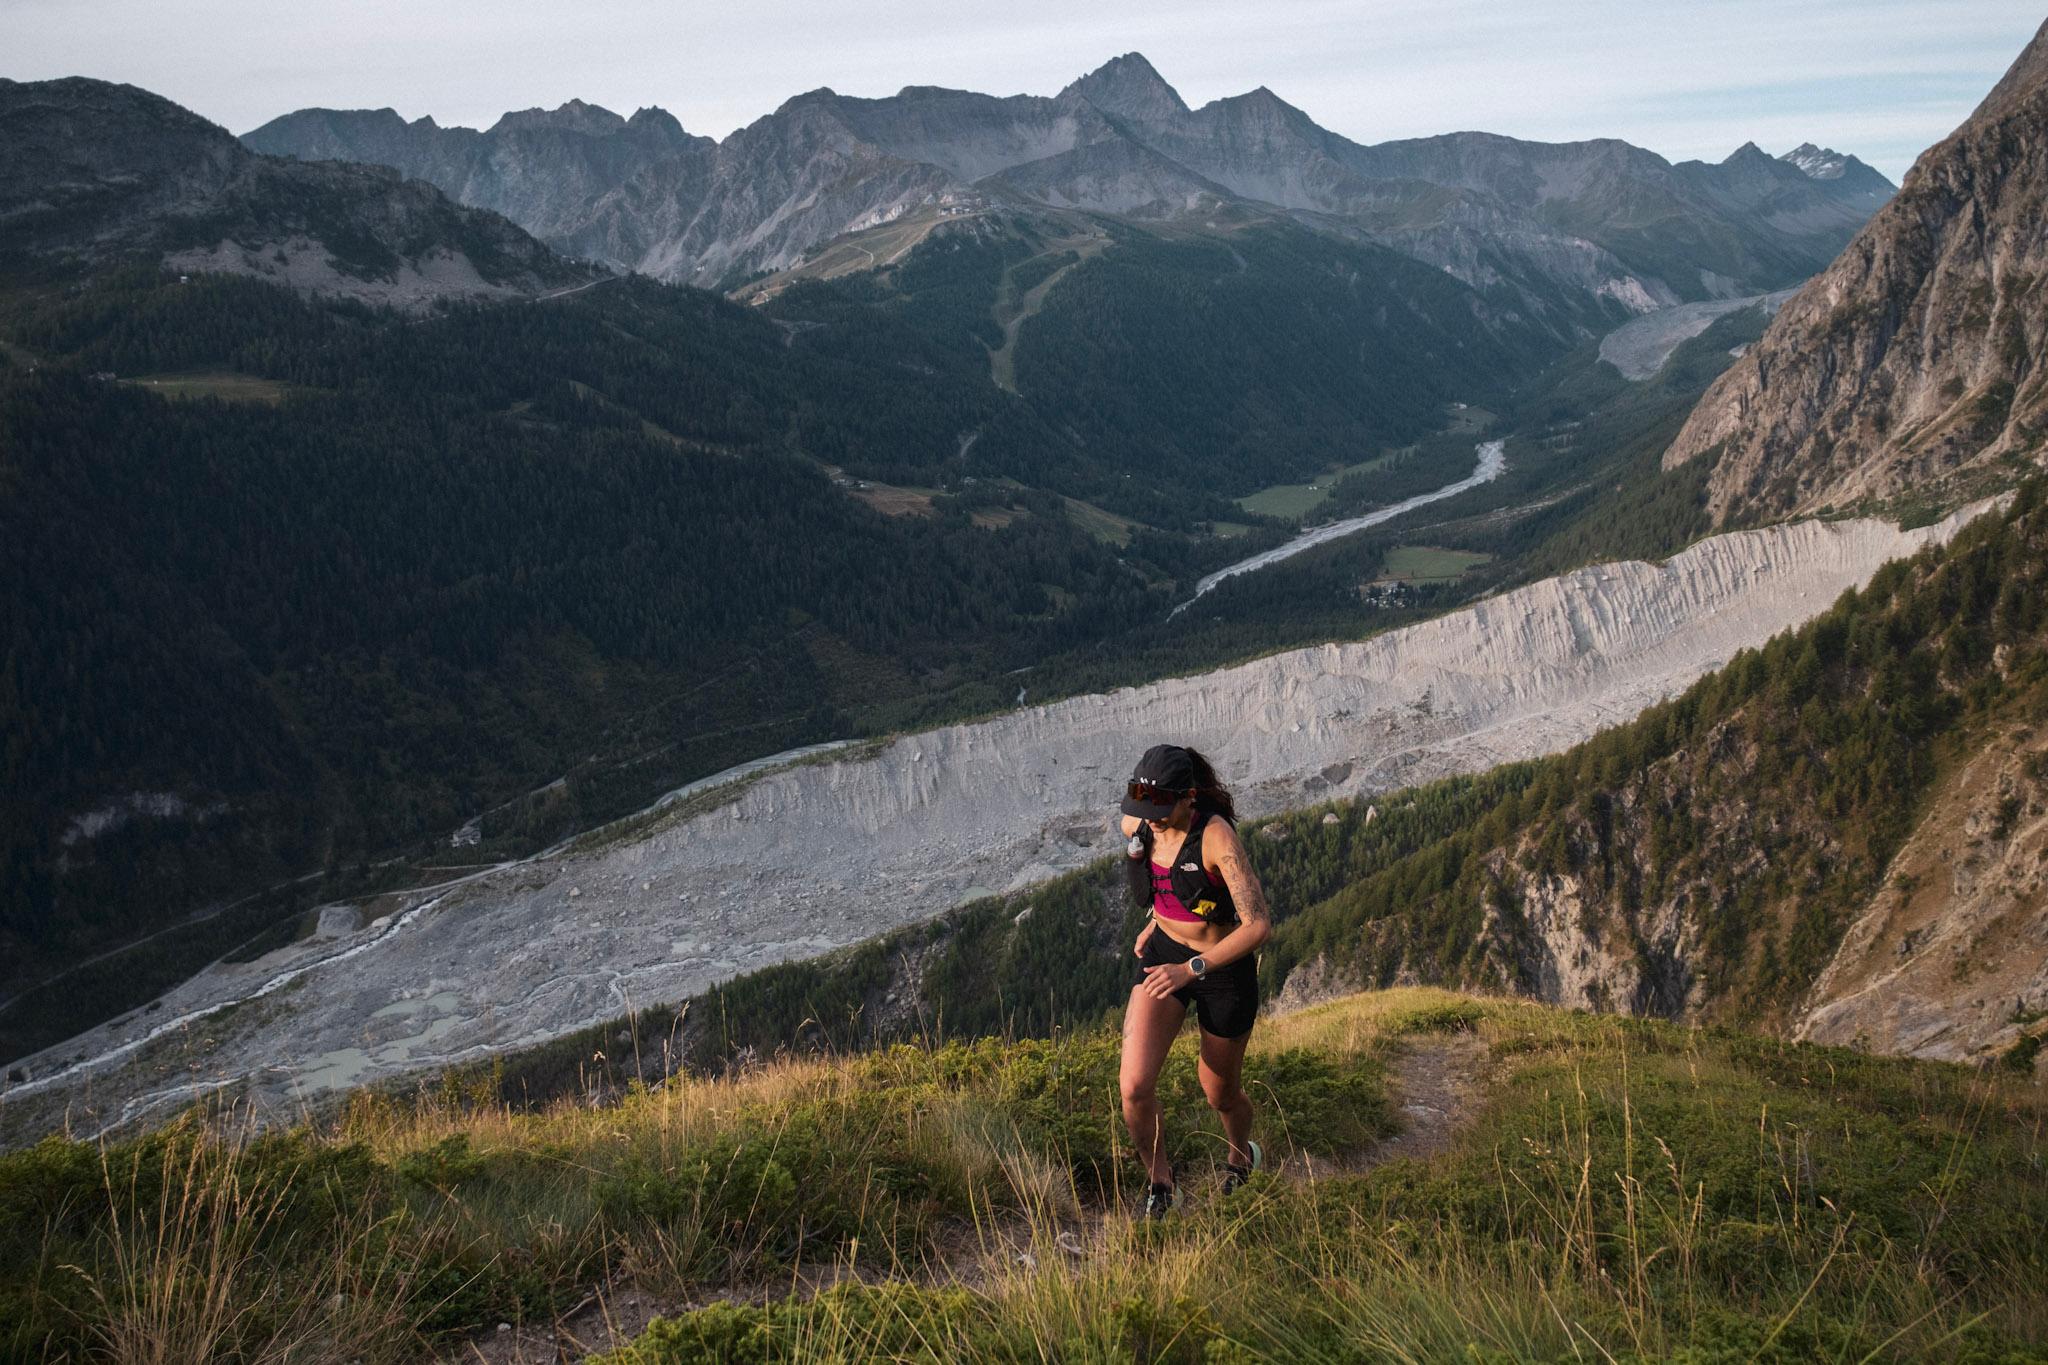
1437 1090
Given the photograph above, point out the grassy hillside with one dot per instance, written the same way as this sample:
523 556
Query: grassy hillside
1709 855
1596 1188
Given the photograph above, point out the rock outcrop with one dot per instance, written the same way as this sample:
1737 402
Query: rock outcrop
92 170
1950 959
1913 363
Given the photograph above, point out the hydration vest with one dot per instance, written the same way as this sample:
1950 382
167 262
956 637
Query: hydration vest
1189 879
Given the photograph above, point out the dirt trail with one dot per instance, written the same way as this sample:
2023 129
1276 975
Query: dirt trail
1437 1089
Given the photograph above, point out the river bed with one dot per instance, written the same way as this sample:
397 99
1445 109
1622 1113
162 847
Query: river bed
1492 461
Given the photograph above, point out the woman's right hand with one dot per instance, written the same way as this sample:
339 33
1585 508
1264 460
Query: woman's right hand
1151 927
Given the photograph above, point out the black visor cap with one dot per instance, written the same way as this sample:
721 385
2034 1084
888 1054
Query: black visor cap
1165 766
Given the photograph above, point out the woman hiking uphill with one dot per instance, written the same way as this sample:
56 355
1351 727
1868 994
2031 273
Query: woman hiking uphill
1208 918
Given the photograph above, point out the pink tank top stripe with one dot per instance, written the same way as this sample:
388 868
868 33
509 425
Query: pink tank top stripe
1165 903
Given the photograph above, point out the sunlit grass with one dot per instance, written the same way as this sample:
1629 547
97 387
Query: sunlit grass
1624 1189
228 386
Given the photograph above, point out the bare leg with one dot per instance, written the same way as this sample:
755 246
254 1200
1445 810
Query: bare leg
1222 1071
1149 1028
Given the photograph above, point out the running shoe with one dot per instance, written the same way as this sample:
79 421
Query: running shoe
1158 1200
1234 1176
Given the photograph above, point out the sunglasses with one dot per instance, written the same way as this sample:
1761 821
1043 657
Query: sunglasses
1152 794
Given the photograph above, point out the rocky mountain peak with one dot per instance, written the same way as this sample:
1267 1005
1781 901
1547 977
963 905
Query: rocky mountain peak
385 118
1841 175
824 94
655 119
1129 87
1819 163
1911 363
1263 106
95 143
574 117
91 171
1749 154
1117 140
2028 73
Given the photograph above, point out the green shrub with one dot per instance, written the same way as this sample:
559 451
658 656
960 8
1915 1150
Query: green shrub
443 1166
893 1321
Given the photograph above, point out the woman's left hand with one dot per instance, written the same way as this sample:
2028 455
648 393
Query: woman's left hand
1163 979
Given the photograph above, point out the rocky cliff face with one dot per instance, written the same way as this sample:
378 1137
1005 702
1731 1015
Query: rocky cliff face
1947 959
543 169
1950 958
91 170
1914 361
1576 235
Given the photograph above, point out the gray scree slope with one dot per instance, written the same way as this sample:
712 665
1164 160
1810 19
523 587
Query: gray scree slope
814 856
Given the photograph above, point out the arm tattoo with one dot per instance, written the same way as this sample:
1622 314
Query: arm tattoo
1244 887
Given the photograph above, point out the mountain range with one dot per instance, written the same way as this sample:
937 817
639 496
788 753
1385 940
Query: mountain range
1576 234
95 171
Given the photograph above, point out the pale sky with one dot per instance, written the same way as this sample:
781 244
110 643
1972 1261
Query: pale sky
1883 79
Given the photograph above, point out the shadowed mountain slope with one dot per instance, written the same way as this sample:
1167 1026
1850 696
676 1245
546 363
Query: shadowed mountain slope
91 171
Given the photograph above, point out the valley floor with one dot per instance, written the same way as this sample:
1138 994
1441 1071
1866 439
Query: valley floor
658 909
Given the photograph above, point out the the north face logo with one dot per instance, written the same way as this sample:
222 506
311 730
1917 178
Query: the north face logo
1191 867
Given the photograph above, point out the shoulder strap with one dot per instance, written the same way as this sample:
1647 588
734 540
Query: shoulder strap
1193 843
1198 887
1191 847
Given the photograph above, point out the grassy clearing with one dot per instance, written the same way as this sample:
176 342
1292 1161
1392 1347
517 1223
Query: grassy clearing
896 502
1105 526
1633 1191
1428 564
1299 499
1014 308
867 250
224 385
891 500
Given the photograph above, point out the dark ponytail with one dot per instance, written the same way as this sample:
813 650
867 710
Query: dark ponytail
1211 796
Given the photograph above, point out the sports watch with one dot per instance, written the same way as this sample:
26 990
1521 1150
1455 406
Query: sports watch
1197 965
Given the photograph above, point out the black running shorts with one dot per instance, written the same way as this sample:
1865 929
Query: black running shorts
1225 999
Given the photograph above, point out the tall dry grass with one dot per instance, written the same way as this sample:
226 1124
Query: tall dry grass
1621 1190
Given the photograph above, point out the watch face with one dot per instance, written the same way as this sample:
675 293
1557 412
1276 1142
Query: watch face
1197 965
